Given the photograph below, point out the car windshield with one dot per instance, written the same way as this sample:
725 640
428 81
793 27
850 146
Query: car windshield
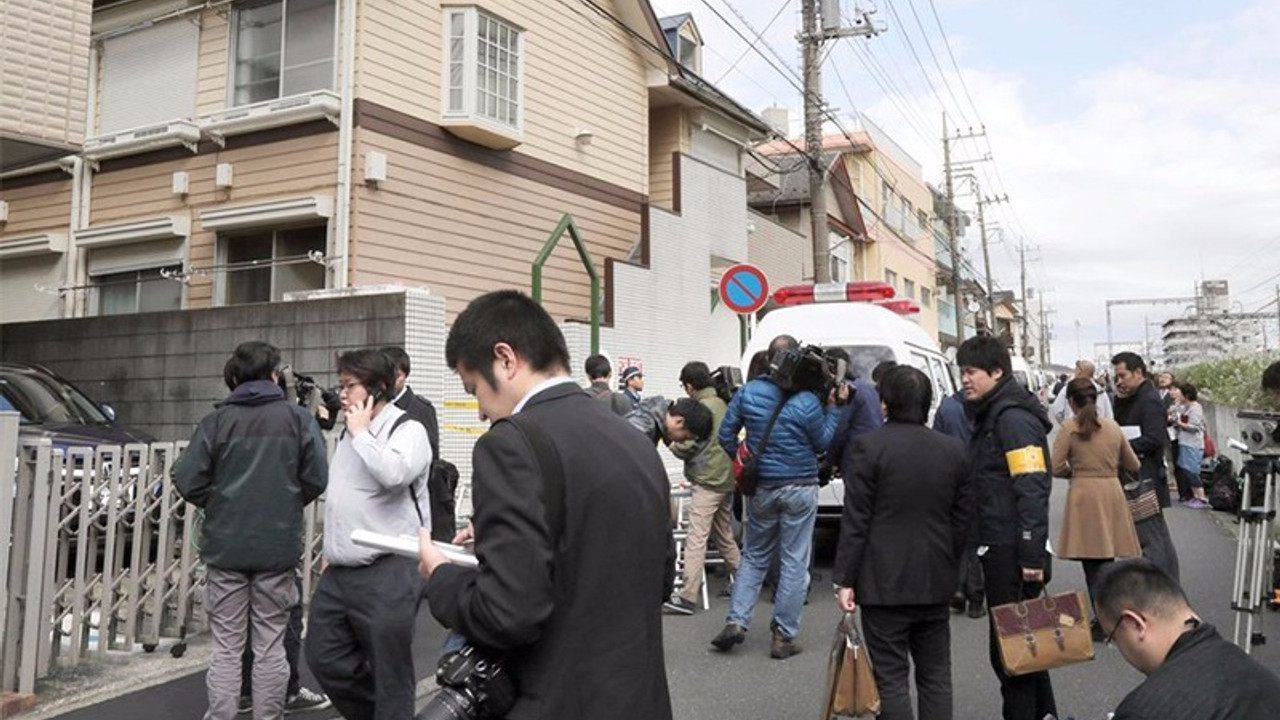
864 358
46 400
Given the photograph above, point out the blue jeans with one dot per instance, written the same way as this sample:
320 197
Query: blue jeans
1189 459
780 519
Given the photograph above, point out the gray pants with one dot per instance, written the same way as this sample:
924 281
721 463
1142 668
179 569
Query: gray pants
233 600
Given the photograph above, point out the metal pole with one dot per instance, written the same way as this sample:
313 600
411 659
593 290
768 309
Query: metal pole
986 268
951 234
1026 317
812 41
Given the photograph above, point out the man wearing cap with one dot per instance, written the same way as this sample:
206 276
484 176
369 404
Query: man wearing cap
632 384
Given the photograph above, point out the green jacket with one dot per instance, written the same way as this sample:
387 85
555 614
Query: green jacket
706 463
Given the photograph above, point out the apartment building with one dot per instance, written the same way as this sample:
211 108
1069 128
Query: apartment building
233 152
879 211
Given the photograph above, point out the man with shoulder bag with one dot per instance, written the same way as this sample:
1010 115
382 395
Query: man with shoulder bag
786 431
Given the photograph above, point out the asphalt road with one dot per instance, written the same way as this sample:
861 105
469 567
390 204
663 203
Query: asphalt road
747 685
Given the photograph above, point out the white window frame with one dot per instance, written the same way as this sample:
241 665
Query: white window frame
138 281
838 258
222 286
909 288
891 278
470 69
233 48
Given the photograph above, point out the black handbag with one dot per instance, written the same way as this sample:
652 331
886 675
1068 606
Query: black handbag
747 463
1140 493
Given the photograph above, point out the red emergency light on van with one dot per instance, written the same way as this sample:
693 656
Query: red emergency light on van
834 292
902 307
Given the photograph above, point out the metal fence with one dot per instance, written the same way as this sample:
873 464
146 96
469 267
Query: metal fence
98 553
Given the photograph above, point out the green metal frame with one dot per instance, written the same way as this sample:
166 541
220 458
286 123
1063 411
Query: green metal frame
567 224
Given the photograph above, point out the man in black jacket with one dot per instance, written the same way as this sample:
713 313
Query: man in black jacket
906 520
252 465
559 484
1009 457
1140 413
1192 672
442 482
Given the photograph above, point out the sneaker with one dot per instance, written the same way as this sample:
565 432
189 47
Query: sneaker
1196 504
731 635
957 603
975 609
782 646
678 606
305 701
245 706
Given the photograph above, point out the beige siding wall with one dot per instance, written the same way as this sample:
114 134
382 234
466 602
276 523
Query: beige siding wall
782 253
44 68
212 69
666 128
289 168
37 209
580 72
463 229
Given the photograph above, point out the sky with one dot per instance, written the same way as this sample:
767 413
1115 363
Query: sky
1138 142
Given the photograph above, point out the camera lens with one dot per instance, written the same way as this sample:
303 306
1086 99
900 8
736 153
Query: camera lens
449 704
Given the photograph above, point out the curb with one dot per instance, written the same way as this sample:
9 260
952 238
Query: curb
12 704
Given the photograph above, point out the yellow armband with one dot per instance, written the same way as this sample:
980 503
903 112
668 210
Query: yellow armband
1029 459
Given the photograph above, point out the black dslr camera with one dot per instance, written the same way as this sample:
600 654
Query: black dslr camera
726 380
806 368
472 686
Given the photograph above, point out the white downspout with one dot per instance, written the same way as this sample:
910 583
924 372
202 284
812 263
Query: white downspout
346 131
73 302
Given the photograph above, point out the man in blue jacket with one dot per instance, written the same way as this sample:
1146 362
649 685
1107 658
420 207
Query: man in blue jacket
785 505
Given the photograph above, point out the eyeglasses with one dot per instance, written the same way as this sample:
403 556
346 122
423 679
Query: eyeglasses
1111 636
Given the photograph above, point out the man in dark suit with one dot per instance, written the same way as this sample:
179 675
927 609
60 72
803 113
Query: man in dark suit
578 624
907 510
442 482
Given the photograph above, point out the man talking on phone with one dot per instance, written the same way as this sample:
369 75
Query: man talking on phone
360 639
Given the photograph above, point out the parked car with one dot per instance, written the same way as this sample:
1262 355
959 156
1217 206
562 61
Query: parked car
51 407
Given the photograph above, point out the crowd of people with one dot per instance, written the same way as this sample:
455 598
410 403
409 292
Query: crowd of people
553 622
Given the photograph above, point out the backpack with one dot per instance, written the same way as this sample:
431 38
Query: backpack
1223 489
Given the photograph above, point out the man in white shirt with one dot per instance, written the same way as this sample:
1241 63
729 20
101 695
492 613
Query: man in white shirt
1059 410
364 608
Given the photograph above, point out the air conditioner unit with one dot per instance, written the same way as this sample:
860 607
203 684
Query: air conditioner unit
271 114
143 139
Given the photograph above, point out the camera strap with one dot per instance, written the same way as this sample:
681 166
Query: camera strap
768 429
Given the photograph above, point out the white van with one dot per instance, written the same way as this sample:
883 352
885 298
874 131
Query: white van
870 334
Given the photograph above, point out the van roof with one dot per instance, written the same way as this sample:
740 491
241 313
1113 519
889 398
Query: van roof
848 323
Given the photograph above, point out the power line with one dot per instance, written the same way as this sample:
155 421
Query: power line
781 6
941 74
954 64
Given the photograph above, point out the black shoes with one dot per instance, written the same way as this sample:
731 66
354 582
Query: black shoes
957 603
976 609
782 646
731 635
677 605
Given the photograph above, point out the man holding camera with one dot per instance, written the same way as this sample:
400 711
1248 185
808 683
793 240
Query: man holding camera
559 482
783 509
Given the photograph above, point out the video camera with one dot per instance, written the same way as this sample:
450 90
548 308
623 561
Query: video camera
1261 433
726 380
303 390
472 686
807 368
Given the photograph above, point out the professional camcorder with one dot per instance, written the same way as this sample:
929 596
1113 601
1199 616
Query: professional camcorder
472 686
806 368
726 380
1261 433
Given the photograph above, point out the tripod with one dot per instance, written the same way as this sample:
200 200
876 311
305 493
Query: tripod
1253 586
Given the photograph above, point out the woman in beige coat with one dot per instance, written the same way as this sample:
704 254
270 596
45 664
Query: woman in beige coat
1096 525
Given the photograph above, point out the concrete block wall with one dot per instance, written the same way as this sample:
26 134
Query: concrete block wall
163 371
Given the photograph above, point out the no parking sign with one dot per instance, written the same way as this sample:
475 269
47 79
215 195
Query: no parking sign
744 288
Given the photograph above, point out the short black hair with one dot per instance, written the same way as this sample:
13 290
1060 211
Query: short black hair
1137 584
1132 361
252 360
505 316
877 373
398 357
906 393
985 352
697 418
697 374
1189 391
372 368
1271 377
759 365
598 367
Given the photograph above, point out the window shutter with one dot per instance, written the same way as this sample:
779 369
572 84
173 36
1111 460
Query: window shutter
149 76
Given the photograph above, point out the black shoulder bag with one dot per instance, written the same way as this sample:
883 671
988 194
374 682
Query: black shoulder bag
747 464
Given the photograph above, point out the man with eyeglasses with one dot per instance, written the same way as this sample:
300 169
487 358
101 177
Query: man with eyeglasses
1192 672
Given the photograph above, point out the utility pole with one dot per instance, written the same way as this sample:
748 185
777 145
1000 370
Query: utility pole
1026 317
956 298
821 22
983 202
